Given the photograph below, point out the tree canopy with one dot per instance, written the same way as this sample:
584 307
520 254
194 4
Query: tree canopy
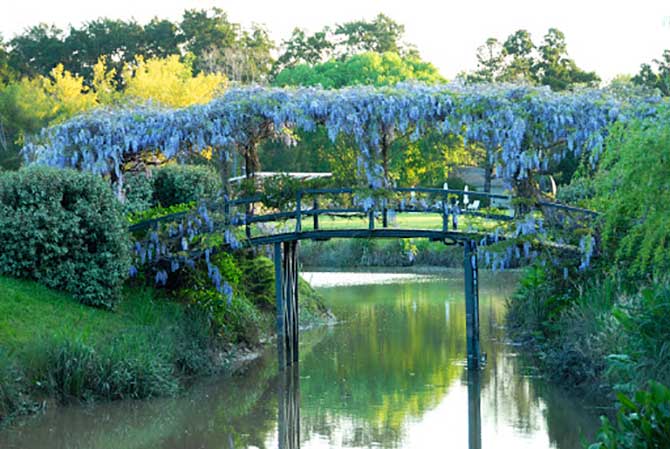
656 76
519 59
375 69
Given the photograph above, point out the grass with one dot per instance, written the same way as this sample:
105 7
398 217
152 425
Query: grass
30 311
51 346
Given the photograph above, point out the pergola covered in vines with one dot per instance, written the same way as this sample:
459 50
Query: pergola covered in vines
524 130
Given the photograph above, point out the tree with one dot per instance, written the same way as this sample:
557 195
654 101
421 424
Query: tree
302 48
28 105
170 82
520 60
490 58
38 50
118 40
555 68
7 73
380 35
248 60
222 46
519 51
161 39
372 69
658 77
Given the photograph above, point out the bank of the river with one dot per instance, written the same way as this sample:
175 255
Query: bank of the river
390 373
54 350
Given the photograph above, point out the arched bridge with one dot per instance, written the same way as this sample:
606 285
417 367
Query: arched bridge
454 217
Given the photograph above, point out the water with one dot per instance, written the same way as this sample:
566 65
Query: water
390 374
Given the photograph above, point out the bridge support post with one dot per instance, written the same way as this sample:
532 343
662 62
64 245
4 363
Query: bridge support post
286 291
472 304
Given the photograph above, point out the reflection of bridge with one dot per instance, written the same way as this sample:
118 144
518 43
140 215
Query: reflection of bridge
288 403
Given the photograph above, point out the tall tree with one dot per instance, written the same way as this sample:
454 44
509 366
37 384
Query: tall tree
656 76
364 69
37 50
520 60
119 40
490 58
161 39
302 48
223 46
555 68
7 72
380 35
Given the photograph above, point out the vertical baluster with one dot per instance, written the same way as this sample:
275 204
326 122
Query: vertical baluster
315 207
298 211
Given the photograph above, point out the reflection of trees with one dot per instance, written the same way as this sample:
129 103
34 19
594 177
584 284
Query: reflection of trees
512 397
393 360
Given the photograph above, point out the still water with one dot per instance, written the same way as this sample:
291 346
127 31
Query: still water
390 374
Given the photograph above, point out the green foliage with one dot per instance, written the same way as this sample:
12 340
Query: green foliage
658 77
376 69
633 192
518 59
179 184
74 353
138 189
73 370
380 35
578 193
280 191
642 422
66 230
259 280
158 211
645 318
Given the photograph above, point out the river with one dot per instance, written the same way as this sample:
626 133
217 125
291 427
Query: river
390 374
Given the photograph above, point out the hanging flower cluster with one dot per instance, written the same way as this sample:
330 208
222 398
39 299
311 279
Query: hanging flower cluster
525 128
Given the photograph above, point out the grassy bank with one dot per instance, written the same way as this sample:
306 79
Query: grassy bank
54 350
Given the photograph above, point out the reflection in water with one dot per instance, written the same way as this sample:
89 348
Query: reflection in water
474 411
288 424
391 374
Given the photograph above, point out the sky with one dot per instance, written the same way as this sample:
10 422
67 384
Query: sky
610 37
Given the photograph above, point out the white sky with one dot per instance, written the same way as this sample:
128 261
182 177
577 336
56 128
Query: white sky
610 37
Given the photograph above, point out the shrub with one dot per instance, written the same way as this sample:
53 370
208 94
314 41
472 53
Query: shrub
645 320
259 280
632 192
176 184
139 192
64 229
643 421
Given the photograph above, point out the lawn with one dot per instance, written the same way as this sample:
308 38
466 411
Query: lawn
30 311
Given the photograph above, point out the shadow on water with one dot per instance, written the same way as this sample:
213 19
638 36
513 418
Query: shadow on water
391 374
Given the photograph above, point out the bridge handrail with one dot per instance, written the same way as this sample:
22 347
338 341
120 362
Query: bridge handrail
298 212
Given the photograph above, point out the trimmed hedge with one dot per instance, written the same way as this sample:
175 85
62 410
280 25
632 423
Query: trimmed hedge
64 229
